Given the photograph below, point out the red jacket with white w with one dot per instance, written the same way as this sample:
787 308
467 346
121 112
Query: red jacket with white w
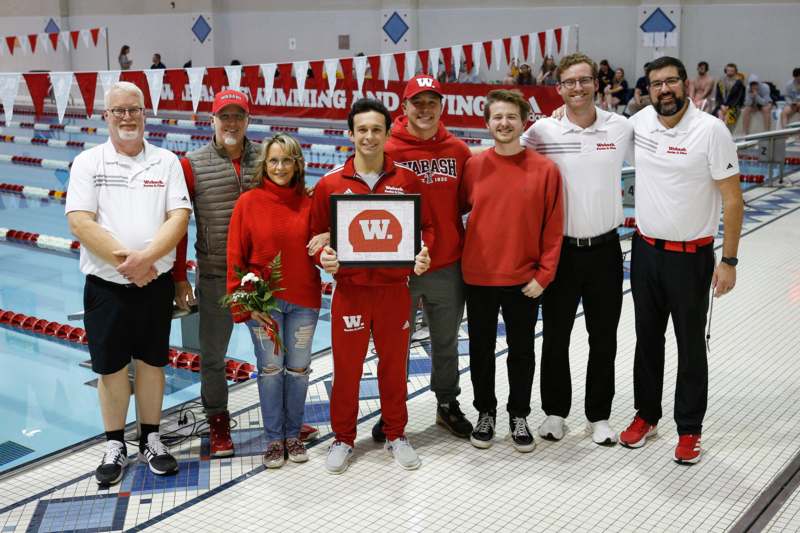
395 179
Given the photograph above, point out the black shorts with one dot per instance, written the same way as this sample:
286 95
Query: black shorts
126 322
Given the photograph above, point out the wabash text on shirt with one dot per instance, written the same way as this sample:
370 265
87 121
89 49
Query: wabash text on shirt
434 170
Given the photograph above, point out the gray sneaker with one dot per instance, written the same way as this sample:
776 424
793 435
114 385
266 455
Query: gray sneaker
338 457
403 453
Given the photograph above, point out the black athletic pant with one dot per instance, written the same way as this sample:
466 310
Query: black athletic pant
677 284
594 275
519 314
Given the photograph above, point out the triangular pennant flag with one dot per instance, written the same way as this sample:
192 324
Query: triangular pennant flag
155 81
38 87
468 63
447 58
95 34
11 42
87 83
54 40
9 86
234 73
360 66
435 57
385 66
319 80
456 51
487 52
85 36
557 33
2 48
330 66
507 48
533 40
74 37
347 70
525 40
374 66
516 45
65 40
423 59
400 62
62 84
476 57
542 44
138 78
251 81
195 75
44 43
549 46
32 39
300 74
497 45
268 70
411 64
285 75
564 40
216 78
107 79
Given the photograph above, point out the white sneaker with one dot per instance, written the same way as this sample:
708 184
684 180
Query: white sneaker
403 453
338 457
602 433
552 428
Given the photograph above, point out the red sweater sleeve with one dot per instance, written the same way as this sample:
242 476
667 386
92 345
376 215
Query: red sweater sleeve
552 230
465 192
320 214
239 244
179 266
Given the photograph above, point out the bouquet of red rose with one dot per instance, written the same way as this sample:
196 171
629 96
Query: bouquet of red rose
256 293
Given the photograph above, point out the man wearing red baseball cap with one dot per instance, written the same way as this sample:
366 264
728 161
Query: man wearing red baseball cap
420 141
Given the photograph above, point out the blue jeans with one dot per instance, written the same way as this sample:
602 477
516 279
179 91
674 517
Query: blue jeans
283 377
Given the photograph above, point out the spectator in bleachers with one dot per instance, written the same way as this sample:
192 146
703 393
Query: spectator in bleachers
157 62
547 74
465 75
125 62
512 73
604 77
525 76
641 95
617 92
757 99
729 96
701 89
792 95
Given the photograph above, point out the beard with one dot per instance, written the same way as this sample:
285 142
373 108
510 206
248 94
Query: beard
128 135
229 141
667 110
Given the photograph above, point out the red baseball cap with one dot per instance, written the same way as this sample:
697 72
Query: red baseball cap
230 97
421 83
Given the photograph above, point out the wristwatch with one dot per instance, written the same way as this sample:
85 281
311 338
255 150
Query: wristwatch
732 261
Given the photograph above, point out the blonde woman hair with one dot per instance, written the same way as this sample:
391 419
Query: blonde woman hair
292 150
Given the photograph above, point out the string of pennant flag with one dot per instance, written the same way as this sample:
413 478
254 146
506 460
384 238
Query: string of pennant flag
496 53
38 42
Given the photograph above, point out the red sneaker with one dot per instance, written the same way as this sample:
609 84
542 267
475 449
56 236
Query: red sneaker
637 433
688 450
219 427
308 433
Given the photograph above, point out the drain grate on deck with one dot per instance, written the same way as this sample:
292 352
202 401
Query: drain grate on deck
11 451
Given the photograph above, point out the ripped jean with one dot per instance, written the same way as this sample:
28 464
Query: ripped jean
281 388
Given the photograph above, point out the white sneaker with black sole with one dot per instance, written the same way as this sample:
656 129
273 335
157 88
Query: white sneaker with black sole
552 428
112 467
602 433
520 435
157 456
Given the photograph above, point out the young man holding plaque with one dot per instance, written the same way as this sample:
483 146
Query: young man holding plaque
369 300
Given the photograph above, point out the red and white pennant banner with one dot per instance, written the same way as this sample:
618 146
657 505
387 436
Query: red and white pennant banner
46 42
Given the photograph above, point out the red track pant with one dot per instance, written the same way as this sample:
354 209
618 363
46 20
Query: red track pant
357 311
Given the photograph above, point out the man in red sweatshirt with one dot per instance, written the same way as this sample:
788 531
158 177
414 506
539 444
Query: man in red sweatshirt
369 300
511 250
420 141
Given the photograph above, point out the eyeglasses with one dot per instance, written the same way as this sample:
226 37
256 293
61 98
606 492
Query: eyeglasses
586 81
225 117
669 82
120 112
285 162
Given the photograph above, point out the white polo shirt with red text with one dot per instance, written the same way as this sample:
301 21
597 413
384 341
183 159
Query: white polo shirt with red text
676 197
130 197
590 161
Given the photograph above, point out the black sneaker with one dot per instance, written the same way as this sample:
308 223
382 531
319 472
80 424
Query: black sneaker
520 434
377 431
450 416
112 467
157 456
483 433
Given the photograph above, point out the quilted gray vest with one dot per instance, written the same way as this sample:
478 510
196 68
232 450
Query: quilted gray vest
216 189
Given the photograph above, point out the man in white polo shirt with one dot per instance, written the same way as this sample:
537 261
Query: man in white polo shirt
686 169
589 146
128 205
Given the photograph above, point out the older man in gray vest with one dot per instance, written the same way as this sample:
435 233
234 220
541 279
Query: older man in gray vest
216 175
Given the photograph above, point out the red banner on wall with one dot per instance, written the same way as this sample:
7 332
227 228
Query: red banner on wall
463 105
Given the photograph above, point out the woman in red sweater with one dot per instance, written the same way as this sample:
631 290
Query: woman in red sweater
273 218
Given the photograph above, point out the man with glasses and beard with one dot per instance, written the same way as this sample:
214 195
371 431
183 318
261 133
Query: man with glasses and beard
589 146
686 168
